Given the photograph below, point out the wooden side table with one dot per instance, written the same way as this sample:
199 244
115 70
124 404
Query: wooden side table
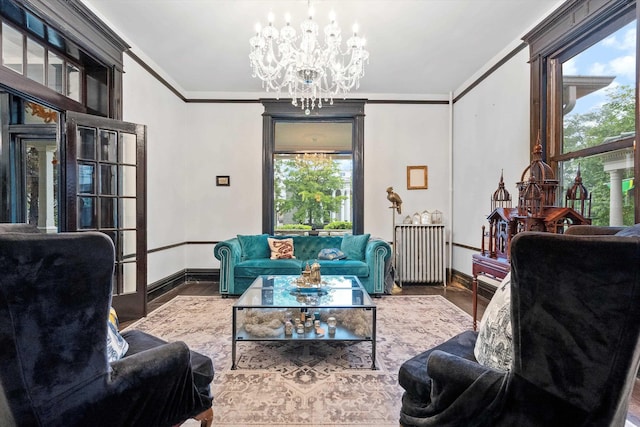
496 268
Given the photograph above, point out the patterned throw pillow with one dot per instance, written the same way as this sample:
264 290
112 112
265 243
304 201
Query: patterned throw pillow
281 248
117 347
331 254
494 347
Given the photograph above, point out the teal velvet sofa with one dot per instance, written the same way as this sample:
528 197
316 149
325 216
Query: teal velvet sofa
243 258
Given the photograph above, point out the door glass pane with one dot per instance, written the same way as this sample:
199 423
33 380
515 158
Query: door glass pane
599 107
108 146
86 212
35 61
42 184
129 277
108 212
128 213
86 178
73 82
128 243
128 181
12 48
87 145
128 147
108 180
55 75
117 269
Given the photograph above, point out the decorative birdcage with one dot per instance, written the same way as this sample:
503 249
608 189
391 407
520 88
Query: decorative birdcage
578 197
501 197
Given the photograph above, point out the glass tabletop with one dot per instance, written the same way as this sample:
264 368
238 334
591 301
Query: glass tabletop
283 291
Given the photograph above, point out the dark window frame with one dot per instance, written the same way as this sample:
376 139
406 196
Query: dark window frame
570 29
343 110
82 40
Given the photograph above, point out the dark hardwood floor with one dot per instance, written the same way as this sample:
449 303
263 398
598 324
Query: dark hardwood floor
457 294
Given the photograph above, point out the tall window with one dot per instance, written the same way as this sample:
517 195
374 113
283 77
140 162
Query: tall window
310 183
313 167
584 104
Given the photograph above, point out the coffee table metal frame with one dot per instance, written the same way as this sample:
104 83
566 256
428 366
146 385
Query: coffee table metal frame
281 292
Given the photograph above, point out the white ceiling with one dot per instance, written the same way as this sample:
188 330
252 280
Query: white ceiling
418 48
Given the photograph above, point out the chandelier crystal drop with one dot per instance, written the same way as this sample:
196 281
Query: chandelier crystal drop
309 71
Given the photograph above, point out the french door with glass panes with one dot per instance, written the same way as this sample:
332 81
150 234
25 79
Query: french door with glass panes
105 191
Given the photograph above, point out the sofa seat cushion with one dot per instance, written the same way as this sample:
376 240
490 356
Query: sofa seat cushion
257 267
344 267
413 376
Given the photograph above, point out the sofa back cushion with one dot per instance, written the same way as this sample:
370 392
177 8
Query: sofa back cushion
254 246
308 247
355 246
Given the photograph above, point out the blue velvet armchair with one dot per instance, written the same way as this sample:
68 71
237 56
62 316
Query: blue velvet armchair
55 294
575 318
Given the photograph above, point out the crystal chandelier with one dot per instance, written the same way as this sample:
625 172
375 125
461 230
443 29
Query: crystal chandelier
309 71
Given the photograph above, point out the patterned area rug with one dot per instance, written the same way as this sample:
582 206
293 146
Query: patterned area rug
313 384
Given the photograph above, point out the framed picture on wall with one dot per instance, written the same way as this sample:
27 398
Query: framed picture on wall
223 181
417 178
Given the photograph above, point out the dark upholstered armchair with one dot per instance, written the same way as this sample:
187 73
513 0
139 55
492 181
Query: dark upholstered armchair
55 294
575 317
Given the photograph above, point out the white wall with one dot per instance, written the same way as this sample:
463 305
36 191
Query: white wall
146 101
223 139
490 133
190 143
397 136
227 140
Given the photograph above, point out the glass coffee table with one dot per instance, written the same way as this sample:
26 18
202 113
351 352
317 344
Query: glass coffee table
277 308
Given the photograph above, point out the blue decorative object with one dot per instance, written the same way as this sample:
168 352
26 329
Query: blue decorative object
331 254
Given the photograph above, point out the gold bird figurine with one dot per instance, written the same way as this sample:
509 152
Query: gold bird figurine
394 199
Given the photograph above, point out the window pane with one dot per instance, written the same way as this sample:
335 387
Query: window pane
108 183
128 147
128 213
108 212
108 146
313 191
12 48
129 274
609 180
35 61
128 243
599 109
86 212
599 91
86 178
128 176
73 82
55 75
87 143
